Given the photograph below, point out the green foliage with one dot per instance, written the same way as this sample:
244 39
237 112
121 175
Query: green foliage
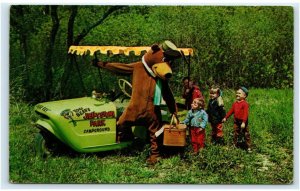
232 45
271 162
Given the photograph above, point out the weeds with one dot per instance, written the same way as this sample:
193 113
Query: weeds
271 162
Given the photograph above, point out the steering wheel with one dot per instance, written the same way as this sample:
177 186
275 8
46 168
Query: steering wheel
123 84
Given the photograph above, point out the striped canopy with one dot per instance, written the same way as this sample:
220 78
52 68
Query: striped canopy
85 50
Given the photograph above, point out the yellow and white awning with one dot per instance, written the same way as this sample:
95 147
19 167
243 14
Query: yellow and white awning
84 50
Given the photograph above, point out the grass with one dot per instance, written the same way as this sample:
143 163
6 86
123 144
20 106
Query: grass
271 162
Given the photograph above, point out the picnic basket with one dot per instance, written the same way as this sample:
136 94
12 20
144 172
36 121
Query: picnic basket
174 134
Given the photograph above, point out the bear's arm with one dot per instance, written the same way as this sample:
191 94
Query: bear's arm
116 67
169 98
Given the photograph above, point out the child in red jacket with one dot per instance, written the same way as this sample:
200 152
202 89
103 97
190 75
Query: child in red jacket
240 109
190 92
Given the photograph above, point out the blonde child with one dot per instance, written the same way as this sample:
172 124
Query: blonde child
196 119
216 113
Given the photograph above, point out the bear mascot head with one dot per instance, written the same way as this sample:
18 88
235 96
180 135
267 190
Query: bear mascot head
149 88
158 58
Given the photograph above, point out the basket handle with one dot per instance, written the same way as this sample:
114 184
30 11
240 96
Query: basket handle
174 121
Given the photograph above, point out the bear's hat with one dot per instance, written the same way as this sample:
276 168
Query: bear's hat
170 49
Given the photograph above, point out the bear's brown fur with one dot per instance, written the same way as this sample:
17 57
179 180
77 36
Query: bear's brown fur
141 109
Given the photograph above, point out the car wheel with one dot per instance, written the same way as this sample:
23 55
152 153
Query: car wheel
42 145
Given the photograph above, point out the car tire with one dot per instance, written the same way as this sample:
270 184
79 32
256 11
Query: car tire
42 145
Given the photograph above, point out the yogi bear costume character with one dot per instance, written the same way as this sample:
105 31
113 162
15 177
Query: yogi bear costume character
149 85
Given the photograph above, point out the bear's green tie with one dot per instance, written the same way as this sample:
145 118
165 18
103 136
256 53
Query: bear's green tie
157 93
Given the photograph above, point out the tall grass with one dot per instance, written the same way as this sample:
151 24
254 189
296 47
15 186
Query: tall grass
271 162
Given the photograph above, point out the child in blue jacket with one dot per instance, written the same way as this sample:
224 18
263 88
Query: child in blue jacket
196 119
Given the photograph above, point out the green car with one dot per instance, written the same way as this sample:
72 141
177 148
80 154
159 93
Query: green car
85 124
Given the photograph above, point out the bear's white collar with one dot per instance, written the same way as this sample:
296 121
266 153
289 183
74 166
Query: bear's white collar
147 68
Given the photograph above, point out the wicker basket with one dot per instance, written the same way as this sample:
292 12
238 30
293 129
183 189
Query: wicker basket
174 135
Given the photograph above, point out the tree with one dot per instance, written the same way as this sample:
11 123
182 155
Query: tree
20 26
68 68
234 45
48 71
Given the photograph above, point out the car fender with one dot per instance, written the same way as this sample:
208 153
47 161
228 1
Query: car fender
48 126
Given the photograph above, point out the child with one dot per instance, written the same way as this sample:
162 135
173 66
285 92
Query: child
190 92
216 113
240 109
197 118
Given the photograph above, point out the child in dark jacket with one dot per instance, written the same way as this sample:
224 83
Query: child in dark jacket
216 113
